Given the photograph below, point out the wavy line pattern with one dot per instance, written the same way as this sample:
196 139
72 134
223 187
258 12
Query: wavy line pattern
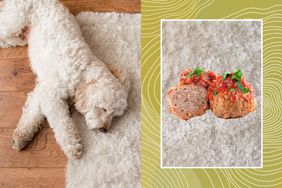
271 173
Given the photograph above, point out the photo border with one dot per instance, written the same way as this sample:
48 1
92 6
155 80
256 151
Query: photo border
161 99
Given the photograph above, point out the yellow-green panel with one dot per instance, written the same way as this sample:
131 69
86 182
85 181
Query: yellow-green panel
271 173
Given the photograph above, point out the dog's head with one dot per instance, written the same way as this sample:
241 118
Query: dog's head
99 101
98 118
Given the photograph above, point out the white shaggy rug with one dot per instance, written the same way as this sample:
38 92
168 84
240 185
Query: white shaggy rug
208 141
111 159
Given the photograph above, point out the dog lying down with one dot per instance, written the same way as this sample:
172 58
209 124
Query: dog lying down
66 68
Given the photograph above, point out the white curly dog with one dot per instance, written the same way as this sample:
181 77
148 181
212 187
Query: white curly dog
66 68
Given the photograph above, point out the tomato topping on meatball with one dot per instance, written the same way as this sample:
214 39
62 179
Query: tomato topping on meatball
198 76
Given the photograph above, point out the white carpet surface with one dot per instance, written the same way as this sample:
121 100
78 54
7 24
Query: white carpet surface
111 159
208 141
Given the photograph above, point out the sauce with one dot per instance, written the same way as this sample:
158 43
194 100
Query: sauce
205 79
228 89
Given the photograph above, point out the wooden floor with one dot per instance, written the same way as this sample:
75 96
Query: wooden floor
42 163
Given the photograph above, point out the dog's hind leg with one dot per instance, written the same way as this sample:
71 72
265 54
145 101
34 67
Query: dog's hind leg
57 112
30 121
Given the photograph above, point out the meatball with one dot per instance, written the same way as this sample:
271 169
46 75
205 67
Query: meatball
223 107
231 96
187 101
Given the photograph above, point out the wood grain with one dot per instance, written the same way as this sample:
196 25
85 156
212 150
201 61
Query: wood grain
16 75
33 177
12 53
129 6
11 108
43 151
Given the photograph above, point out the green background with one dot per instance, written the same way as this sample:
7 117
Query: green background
271 173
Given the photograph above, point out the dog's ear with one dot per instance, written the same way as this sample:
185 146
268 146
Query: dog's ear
79 99
120 74
83 96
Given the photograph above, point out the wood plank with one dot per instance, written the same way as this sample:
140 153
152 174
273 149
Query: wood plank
11 53
43 151
11 108
16 75
129 6
33 177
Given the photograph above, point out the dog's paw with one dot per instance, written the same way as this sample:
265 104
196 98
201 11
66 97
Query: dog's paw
20 140
75 151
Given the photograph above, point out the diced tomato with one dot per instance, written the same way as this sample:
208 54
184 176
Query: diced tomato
227 87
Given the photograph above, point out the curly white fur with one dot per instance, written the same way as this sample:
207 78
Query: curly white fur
66 68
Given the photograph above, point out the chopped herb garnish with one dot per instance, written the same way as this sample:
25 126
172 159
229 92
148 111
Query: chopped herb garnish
214 93
232 90
224 76
239 85
246 90
197 71
242 88
237 75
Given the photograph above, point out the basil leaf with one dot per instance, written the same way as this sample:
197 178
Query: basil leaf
224 76
197 71
246 90
191 74
242 88
237 75
214 93
232 89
